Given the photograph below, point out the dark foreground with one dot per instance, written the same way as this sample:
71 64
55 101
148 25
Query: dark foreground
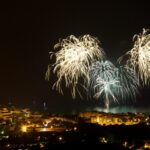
86 135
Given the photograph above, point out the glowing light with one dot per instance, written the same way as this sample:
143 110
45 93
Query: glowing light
60 138
42 145
44 129
103 140
8 145
24 128
2 132
125 144
138 58
73 60
75 128
147 145
45 124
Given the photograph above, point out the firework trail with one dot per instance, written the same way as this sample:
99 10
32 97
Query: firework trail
138 58
129 85
73 60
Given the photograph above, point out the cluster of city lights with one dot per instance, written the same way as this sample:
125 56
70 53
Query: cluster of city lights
82 62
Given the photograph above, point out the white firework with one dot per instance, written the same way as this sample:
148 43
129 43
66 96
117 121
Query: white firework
111 83
138 58
107 89
73 60
104 79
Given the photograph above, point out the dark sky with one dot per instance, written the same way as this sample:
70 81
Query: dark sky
29 30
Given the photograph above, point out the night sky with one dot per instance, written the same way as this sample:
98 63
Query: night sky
29 30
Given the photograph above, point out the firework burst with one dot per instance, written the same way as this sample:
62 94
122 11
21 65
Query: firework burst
112 83
73 60
138 58
104 81
129 84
